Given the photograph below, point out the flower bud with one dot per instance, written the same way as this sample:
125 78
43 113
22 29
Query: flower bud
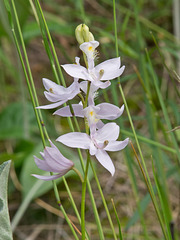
83 34
78 34
91 37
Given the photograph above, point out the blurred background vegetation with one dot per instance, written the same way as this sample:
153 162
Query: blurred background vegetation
149 46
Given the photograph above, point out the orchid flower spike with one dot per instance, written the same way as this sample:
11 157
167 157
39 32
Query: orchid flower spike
59 94
53 161
106 70
98 143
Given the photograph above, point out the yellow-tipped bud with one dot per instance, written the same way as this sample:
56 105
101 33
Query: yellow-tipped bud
83 34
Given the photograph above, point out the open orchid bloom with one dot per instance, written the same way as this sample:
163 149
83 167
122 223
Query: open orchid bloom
92 113
59 94
98 143
53 161
106 70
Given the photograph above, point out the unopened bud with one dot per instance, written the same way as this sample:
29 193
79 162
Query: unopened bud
91 37
79 34
85 30
83 34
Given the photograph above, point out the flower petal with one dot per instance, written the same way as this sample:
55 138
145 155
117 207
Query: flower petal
109 111
53 87
48 84
53 105
75 70
83 86
56 161
99 84
86 46
73 87
68 93
109 75
110 69
116 145
109 132
65 111
41 164
110 64
105 161
53 161
47 178
99 124
75 140
92 149
53 97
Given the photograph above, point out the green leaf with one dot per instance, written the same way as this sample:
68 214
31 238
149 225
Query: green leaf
12 120
6 2
5 228
4 26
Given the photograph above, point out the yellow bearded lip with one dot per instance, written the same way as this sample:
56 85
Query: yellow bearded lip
90 48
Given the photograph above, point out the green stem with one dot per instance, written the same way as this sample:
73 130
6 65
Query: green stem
166 116
134 186
98 222
145 175
29 88
29 78
151 192
83 199
162 202
82 11
62 209
87 94
52 46
118 221
78 173
104 201
149 141
82 98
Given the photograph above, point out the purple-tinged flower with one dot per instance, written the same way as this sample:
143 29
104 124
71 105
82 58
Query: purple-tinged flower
53 161
98 143
59 94
106 70
93 113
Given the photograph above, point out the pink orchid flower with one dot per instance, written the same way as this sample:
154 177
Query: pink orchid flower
59 94
104 139
93 113
106 70
53 161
